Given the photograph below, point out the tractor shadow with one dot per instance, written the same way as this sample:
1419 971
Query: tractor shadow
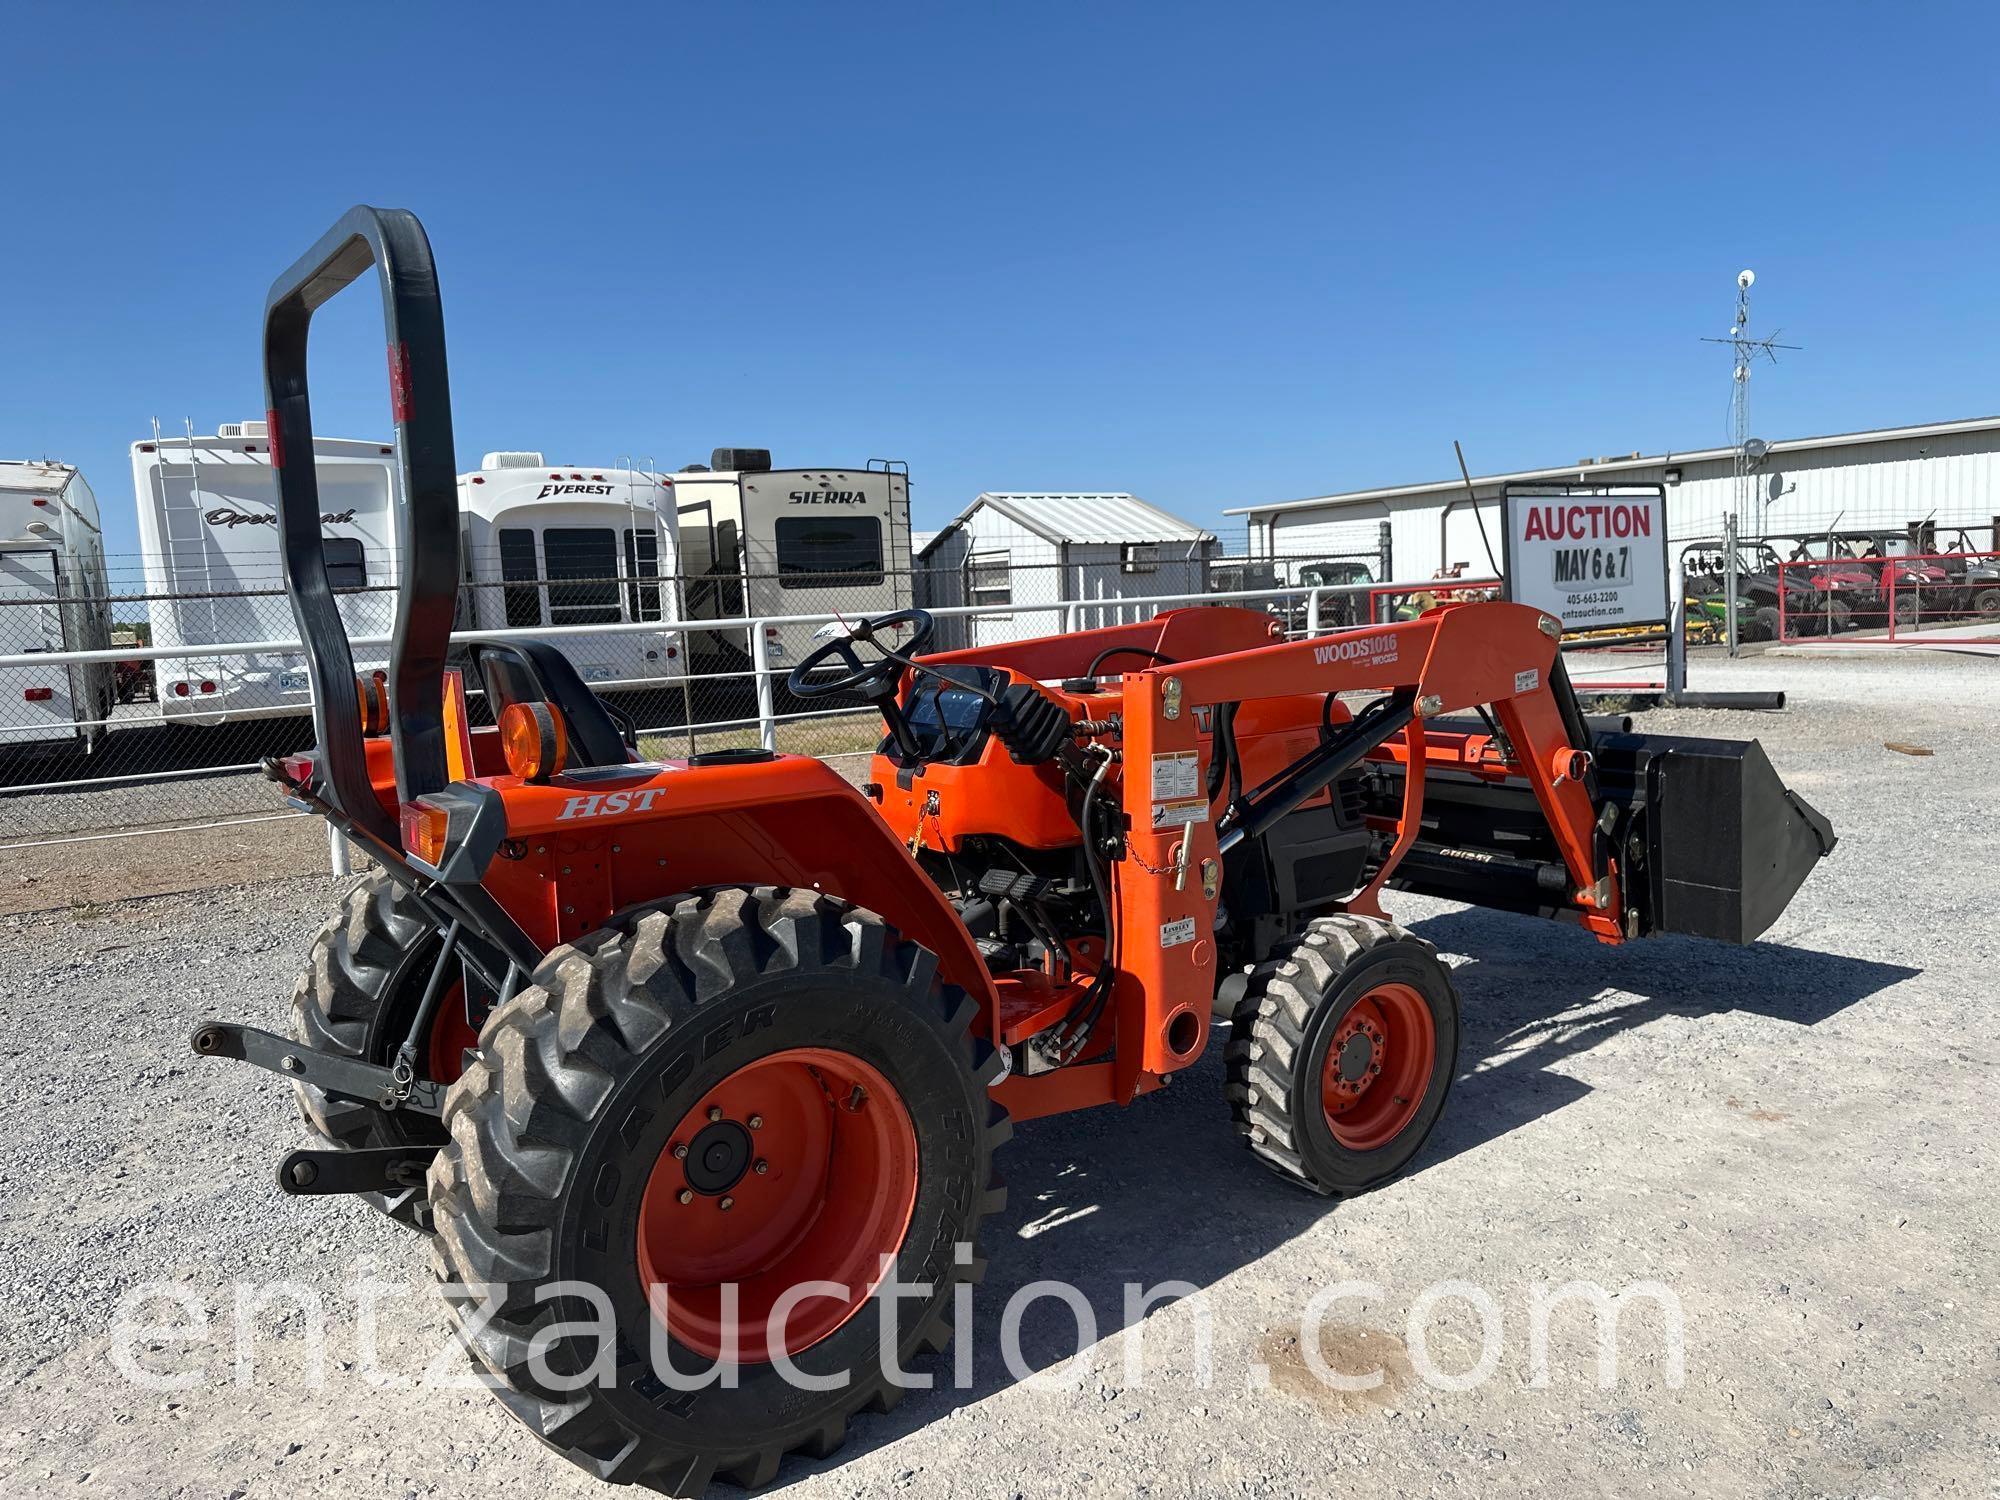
1165 1192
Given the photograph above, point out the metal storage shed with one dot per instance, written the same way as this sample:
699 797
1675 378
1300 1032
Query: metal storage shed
1027 549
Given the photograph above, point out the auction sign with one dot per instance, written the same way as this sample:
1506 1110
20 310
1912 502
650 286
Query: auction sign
1594 556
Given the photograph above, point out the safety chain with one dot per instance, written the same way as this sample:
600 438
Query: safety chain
924 815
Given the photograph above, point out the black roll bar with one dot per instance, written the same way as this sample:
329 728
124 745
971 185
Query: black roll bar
394 242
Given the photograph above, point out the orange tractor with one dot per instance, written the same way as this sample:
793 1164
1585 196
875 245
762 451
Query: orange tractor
718 1053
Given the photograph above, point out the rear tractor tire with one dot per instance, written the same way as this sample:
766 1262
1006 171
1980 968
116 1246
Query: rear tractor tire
357 998
1342 1052
750 1088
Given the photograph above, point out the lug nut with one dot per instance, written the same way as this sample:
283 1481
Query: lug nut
715 1111
761 1167
756 1122
686 1195
680 1151
726 1204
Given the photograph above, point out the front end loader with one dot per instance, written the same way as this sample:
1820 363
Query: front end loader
733 1042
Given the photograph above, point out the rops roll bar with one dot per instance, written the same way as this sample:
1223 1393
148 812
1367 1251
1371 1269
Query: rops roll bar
393 241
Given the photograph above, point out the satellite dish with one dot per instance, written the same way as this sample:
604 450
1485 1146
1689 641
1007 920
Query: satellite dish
1746 279
1754 449
1776 488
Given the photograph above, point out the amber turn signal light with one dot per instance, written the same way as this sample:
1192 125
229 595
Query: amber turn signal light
424 830
533 740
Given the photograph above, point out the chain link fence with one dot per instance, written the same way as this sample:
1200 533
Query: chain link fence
167 729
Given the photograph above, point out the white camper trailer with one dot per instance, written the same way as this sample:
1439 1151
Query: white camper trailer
758 541
53 597
555 544
208 526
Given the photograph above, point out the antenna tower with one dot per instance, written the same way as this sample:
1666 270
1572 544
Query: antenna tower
1748 452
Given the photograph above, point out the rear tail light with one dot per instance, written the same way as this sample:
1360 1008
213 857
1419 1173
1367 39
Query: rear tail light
672 652
180 690
208 687
38 695
424 829
770 632
533 740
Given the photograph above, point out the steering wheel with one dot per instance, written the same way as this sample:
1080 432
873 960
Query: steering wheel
875 680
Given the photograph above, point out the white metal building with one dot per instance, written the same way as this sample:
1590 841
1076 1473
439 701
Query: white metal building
1947 473
1027 549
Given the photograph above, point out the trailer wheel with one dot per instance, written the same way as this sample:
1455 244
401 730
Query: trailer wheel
360 990
758 1088
1342 1052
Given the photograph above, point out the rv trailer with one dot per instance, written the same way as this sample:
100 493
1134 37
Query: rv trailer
758 542
577 547
52 587
208 526
559 544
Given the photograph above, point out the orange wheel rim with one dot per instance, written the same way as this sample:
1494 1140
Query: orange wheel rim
798 1167
1378 1067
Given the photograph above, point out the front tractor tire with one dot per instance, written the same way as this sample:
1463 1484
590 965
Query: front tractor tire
751 1087
363 983
1341 1054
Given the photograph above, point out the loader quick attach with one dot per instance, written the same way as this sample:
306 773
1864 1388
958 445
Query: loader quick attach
724 1038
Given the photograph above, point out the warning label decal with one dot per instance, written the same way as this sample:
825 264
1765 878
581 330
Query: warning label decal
1176 774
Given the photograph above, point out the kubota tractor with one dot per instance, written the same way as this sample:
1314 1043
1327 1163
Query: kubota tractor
732 1043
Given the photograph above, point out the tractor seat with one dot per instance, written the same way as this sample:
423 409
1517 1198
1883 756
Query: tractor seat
534 671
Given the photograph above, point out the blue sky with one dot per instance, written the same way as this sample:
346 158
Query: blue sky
1210 254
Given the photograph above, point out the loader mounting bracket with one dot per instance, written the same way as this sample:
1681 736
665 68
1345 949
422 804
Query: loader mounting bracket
348 1077
370 1169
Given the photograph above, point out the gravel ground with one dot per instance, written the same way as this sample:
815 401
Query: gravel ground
1788 1138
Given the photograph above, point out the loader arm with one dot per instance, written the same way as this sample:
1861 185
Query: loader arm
1453 658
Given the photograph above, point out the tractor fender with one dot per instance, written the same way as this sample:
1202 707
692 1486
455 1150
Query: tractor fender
787 821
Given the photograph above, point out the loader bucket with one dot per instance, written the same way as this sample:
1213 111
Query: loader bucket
1722 843
1712 844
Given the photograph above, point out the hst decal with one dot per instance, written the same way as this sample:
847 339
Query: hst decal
610 804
